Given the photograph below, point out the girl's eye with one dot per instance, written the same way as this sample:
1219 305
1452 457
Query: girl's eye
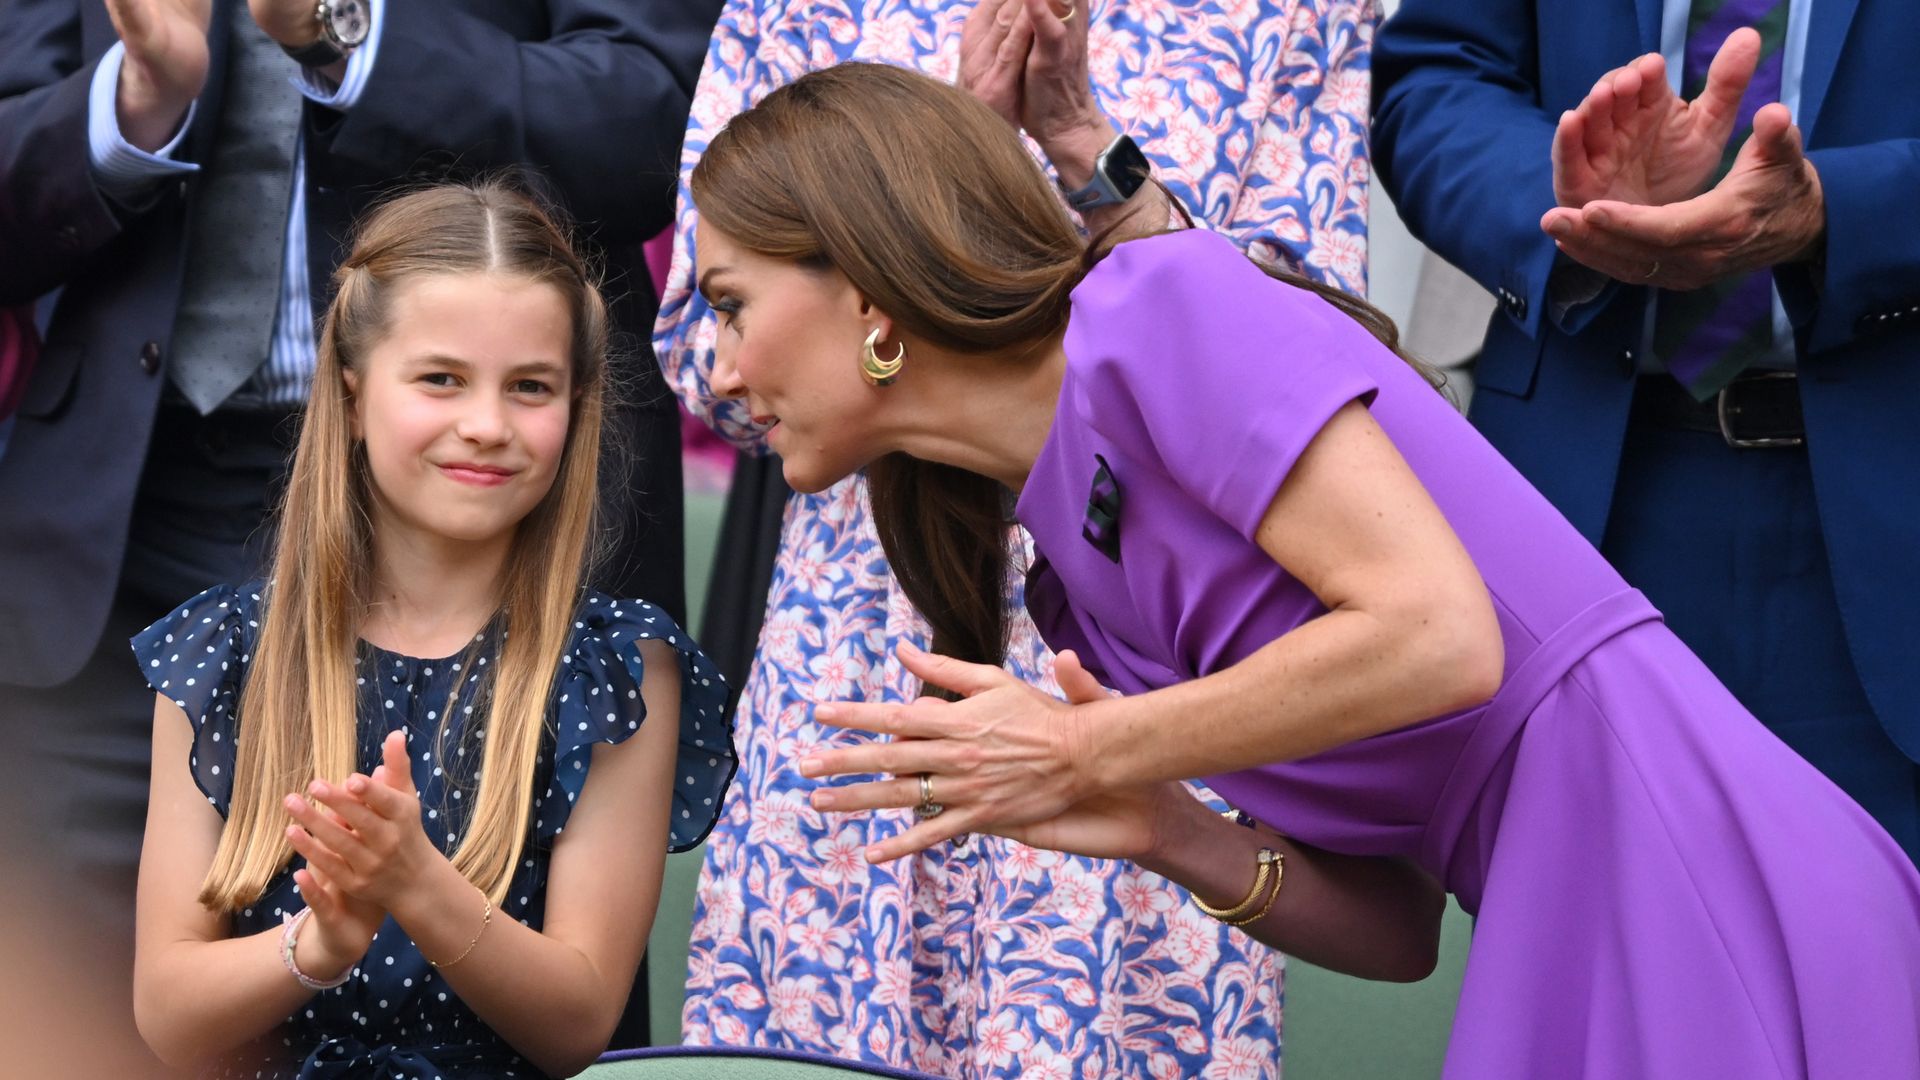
438 378
531 386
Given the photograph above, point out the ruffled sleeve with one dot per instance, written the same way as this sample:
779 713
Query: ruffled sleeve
197 657
598 701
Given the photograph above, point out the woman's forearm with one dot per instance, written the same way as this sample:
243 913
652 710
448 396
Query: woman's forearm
551 1002
198 999
1345 676
1373 918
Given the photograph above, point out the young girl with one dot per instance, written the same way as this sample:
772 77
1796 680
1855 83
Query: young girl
363 766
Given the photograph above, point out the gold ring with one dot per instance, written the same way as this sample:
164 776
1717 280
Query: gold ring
1072 9
927 808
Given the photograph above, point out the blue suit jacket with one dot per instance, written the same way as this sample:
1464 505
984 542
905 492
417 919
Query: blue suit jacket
592 93
1466 95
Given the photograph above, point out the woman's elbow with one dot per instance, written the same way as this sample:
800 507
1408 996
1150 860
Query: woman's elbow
1468 655
1419 953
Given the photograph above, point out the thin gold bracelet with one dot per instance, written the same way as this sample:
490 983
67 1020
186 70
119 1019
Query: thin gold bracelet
1267 859
486 919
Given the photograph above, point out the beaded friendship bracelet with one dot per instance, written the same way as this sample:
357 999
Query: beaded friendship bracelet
289 934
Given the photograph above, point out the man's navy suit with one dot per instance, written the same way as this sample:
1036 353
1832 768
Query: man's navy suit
1467 94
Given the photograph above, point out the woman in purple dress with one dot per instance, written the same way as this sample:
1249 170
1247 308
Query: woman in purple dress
1316 586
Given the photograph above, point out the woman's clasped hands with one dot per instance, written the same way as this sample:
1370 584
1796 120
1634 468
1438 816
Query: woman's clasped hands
364 846
1005 759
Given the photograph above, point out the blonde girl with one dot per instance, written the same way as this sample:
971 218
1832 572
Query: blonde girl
371 845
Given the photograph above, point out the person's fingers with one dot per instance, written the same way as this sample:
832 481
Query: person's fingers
357 815
1012 55
1627 84
393 754
981 34
1727 79
330 830
326 907
383 799
319 855
1075 681
947 673
899 758
934 830
1775 139
1674 225
1056 40
1572 168
1596 115
1653 79
894 794
902 720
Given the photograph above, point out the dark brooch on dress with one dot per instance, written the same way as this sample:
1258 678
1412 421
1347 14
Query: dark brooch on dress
1101 527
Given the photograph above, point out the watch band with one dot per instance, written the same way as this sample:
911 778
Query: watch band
1113 181
318 54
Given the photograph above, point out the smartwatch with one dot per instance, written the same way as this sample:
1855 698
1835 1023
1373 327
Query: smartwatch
1118 172
343 28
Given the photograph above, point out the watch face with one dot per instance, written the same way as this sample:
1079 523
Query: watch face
347 21
1126 167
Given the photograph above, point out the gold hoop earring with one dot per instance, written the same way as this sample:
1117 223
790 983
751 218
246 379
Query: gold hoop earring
875 370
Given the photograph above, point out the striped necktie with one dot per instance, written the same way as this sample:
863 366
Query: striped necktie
1707 336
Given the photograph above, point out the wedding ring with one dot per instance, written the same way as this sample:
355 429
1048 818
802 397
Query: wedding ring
1072 9
1652 270
927 808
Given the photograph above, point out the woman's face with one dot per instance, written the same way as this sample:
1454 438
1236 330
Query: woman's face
464 404
788 342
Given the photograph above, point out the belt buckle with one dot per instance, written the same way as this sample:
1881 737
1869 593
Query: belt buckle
1725 415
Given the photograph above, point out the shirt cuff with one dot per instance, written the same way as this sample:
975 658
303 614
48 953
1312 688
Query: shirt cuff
125 172
320 90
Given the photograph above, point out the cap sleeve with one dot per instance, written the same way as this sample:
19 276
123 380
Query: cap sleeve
598 701
197 658
1184 352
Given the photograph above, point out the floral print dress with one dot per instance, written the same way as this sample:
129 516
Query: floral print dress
992 959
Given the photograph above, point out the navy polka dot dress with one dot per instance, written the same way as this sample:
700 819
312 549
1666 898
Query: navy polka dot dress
395 1017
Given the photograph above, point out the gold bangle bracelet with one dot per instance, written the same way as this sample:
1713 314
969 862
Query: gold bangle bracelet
1279 875
486 920
1266 861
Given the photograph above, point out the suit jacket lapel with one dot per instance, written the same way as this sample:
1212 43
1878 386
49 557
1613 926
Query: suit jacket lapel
1826 33
1649 12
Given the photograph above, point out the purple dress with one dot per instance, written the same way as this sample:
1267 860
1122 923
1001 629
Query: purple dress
1663 889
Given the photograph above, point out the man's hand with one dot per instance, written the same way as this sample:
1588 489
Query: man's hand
1634 140
289 22
1767 211
165 67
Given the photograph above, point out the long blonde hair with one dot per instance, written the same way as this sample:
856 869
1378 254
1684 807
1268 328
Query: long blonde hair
297 716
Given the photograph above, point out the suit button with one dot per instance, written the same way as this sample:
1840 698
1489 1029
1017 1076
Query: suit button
150 357
1629 366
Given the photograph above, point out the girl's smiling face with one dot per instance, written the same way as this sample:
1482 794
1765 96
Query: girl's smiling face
464 404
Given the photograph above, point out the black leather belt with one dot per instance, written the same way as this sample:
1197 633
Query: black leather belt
1759 410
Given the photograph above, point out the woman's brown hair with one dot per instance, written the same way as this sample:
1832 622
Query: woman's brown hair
933 209
297 712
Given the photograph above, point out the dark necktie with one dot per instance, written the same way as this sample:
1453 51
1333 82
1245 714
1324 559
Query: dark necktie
1707 336
236 242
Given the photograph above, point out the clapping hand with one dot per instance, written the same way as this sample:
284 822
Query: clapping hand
1027 60
165 66
1631 165
364 845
